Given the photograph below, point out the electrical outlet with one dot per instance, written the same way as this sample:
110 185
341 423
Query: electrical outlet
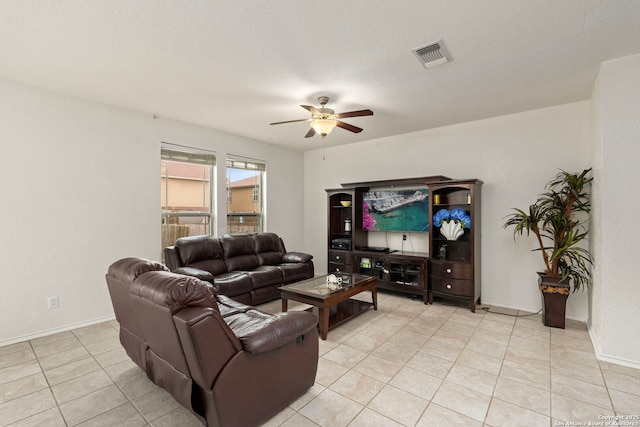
53 302
404 236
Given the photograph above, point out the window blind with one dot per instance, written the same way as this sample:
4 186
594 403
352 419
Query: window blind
253 165
200 157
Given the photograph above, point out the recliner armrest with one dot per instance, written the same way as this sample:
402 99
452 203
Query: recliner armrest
281 329
195 272
296 257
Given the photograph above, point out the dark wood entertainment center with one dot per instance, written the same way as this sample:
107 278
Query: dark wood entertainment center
450 270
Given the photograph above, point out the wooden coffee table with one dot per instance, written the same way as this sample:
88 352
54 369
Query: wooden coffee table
334 306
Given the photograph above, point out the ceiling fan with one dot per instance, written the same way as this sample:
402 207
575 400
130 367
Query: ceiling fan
323 120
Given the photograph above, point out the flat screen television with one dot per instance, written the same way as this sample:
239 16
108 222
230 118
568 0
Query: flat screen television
405 210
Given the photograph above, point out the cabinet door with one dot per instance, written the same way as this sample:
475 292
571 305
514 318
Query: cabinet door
406 272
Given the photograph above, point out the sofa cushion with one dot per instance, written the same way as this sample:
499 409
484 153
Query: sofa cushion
267 242
268 248
213 266
233 283
230 307
239 253
260 332
265 275
269 258
294 272
234 246
197 248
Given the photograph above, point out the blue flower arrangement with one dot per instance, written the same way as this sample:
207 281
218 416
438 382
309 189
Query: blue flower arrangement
457 215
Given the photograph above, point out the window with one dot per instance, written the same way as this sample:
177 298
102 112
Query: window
186 192
245 196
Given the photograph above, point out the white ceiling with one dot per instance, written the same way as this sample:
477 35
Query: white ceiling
237 65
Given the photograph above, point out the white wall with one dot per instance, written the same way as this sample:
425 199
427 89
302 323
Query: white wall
514 155
79 189
616 150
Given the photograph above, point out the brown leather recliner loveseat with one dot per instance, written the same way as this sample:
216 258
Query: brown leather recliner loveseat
228 363
249 268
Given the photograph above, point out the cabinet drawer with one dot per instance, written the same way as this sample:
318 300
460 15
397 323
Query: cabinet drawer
341 257
452 269
452 286
341 268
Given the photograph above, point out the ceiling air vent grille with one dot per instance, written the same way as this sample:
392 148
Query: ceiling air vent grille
432 54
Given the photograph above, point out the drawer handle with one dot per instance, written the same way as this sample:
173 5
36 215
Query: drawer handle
449 270
448 286
337 256
337 269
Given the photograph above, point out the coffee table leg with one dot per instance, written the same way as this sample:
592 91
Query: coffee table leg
323 317
284 304
374 295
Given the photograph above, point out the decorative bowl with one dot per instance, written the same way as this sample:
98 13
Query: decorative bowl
345 203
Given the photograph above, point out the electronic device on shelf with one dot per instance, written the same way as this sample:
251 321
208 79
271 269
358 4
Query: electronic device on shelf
375 249
341 244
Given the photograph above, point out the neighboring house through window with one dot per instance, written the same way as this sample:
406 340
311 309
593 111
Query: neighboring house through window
245 195
186 182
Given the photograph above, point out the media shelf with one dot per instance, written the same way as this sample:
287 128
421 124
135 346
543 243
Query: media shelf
344 212
398 271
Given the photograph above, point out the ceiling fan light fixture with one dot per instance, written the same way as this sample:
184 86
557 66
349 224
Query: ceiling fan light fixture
323 127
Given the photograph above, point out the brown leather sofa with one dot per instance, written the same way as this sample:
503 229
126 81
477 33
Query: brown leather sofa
249 268
228 363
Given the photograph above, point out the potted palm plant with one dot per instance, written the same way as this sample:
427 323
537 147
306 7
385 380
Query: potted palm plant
558 219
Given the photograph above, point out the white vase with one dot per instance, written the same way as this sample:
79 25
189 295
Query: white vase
451 230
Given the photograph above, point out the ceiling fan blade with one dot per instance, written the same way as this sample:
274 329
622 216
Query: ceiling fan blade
311 133
354 114
313 110
291 121
347 126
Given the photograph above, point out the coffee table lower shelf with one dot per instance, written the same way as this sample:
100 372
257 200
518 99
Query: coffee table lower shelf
340 313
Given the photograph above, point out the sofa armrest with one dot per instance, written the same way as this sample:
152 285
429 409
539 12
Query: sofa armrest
280 330
296 257
172 258
195 272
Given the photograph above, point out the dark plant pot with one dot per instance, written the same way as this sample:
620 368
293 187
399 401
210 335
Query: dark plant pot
554 299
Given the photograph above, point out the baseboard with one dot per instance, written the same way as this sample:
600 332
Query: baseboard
55 331
606 358
529 310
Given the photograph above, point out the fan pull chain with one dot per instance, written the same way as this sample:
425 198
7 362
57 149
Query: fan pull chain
322 139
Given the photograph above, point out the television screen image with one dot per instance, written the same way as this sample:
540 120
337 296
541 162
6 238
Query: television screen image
396 210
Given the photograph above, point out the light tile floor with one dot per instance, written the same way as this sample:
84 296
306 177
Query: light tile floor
407 364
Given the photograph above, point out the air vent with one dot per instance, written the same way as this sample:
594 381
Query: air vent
432 54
